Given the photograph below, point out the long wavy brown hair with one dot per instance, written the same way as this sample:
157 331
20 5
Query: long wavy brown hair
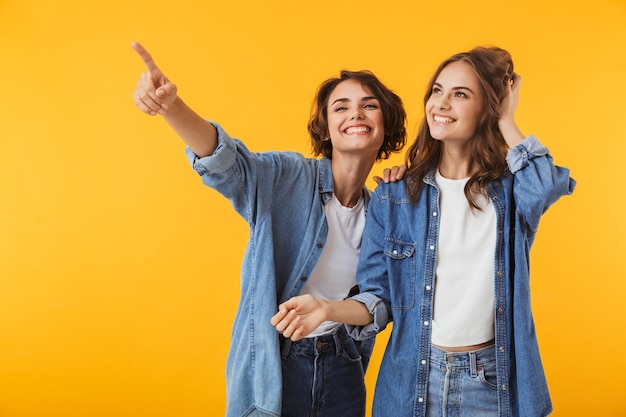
494 68
394 115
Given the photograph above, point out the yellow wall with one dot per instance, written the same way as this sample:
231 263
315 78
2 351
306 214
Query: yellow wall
119 270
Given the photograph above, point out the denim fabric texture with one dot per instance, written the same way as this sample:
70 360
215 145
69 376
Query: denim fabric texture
281 196
396 276
462 384
323 376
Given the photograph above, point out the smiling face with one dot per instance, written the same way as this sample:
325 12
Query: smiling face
355 119
455 104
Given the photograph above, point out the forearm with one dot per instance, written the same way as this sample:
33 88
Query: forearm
509 129
348 312
511 133
199 135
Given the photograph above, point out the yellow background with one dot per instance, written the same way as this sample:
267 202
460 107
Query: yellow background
119 269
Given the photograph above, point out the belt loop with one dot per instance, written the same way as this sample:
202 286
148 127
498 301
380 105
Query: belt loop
338 342
285 348
473 370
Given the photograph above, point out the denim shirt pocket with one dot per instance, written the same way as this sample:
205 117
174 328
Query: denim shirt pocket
400 259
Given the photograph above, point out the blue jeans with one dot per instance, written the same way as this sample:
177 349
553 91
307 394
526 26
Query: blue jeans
323 376
462 384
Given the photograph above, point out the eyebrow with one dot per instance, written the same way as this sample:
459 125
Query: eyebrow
343 100
456 88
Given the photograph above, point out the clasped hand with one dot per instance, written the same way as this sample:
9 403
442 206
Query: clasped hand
299 316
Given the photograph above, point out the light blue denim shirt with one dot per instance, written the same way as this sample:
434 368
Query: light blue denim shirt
396 276
281 195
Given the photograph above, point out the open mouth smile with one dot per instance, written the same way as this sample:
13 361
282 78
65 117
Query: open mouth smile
357 129
442 119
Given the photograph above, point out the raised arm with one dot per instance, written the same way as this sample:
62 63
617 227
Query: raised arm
156 95
509 129
299 316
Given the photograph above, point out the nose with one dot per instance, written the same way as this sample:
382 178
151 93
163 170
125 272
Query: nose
357 114
443 102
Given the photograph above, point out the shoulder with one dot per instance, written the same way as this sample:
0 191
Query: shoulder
394 192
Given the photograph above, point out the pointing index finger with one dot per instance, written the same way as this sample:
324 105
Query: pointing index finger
145 56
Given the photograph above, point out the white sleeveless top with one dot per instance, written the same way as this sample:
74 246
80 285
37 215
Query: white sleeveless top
335 272
464 282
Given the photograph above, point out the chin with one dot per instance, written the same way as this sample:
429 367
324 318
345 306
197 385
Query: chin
437 136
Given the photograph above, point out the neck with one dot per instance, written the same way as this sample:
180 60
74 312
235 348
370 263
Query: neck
455 164
349 179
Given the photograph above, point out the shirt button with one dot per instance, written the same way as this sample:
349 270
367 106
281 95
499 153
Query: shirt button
432 247
500 273
500 309
428 287
426 323
303 278
423 362
435 213
420 399
501 348
503 387
395 252
319 245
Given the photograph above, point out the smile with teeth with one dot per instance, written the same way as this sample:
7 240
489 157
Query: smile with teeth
357 129
442 119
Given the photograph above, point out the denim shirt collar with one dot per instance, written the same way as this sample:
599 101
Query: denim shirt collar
326 182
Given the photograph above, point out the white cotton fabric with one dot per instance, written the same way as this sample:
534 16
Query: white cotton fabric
464 283
335 272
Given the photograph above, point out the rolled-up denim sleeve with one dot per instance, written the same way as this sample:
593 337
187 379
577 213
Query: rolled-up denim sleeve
518 157
378 309
233 171
222 158
538 182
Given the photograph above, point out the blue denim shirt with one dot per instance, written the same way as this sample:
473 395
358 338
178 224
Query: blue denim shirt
396 276
281 196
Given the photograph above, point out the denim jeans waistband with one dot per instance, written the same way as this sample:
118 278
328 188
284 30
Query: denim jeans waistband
463 359
316 345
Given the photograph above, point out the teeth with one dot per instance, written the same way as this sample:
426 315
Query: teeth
358 129
442 119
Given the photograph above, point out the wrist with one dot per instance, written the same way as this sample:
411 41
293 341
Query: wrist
173 108
511 133
326 309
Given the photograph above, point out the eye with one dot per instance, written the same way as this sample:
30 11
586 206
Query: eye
460 94
370 106
435 90
340 108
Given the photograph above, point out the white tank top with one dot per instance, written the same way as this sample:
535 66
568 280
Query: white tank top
335 272
464 282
